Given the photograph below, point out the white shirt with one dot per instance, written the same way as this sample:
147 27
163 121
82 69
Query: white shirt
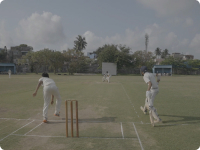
107 74
150 77
47 81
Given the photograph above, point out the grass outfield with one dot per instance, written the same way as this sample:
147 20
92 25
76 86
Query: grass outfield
109 114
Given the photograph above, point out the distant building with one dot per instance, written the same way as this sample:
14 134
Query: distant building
188 57
17 52
184 57
162 69
4 67
177 55
91 55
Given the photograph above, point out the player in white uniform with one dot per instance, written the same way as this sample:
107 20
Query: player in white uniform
9 73
146 105
151 92
49 91
106 76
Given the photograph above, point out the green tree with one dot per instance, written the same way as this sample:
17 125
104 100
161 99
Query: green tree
143 58
44 58
177 64
32 59
56 61
75 61
115 54
80 43
165 53
158 52
3 55
100 49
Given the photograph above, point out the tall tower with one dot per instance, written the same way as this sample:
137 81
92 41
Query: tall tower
146 41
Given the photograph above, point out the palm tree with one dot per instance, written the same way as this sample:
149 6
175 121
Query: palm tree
158 52
166 52
80 43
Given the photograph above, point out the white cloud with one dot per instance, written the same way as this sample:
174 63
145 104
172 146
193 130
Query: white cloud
167 7
64 47
41 30
5 38
189 22
195 44
135 39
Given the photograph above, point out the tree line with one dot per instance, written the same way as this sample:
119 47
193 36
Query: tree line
75 61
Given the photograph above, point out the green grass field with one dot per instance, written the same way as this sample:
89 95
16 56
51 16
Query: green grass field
109 114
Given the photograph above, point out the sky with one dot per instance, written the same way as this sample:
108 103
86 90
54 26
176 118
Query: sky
55 24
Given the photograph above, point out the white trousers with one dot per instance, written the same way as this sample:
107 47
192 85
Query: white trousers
47 92
149 101
108 79
9 75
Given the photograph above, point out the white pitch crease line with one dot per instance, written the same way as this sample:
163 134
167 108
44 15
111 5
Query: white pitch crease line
79 137
13 119
33 129
30 119
37 135
4 121
126 93
122 130
138 137
16 131
64 121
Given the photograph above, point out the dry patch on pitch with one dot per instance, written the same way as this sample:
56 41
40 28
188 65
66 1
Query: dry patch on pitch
92 112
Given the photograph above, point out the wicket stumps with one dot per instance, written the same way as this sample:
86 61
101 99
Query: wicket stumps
66 106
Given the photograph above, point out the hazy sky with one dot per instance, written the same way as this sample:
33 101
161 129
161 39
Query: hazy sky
54 24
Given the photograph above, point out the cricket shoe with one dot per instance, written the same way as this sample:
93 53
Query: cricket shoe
151 118
144 111
158 121
57 115
45 121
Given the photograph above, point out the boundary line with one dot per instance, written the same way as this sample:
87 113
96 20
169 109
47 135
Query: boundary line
33 129
122 131
138 137
16 131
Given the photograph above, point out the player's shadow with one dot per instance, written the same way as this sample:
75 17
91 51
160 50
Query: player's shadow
180 120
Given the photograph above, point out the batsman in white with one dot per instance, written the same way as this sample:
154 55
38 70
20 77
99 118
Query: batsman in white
49 91
106 77
146 105
9 73
151 92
